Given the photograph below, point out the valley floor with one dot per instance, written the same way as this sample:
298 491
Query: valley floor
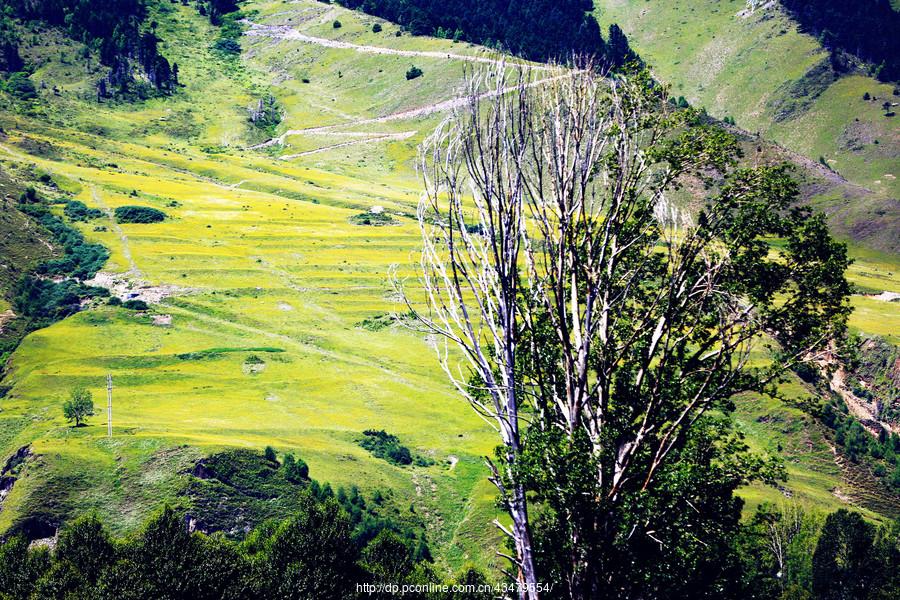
264 254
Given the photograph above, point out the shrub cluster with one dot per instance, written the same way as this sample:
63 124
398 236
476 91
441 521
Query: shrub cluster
42 300
81 259
882 452
386 446
76 210
139 214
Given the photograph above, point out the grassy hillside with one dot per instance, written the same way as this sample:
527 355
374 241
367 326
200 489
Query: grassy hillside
263 255
755 66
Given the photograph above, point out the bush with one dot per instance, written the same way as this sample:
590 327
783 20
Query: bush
45 301
336 24
295 470
227 46
386 446
139 214
20 87
376 28
370 218
413 73
135 305
77 211
270 454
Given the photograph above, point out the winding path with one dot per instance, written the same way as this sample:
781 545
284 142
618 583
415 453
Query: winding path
422 111
370 138
283 32
133 269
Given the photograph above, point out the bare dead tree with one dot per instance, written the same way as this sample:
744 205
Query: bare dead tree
472 220
586 300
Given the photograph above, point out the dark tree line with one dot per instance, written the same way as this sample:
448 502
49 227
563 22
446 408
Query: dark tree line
326 549
533 29
114 28
867 29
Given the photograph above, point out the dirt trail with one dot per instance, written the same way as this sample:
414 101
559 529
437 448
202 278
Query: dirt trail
857 406
283 32
6 317
366 140
133 269
422 111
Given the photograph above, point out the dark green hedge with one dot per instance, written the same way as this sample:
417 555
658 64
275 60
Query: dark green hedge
139 214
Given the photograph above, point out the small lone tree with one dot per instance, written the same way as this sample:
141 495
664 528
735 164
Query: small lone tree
79 406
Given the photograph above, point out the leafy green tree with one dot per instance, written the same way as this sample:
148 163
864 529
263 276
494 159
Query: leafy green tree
886 553
388 558
310 556
87 546
79 406
20 568
295 470
843 565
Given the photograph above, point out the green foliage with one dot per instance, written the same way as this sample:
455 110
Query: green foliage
864 29
788 552
413 72
373 219
270 454
295 470
20 87
240 488
376 28
76 210
533 29
843 564
860 446
336 24
80 260
266 115
20 568
139 214
227 46
873 375
79 406
45 301
651 540
135 304
386 446
114 28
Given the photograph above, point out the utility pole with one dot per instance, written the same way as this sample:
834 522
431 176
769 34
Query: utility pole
108 405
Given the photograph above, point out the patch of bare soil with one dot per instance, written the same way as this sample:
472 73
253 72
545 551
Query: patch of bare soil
6 317
124 287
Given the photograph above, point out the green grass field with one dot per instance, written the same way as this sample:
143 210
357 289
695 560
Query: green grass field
261 258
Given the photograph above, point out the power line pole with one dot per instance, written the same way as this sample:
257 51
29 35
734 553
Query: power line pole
108 405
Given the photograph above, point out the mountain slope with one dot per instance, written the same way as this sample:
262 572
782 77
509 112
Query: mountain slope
754 65
268 278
